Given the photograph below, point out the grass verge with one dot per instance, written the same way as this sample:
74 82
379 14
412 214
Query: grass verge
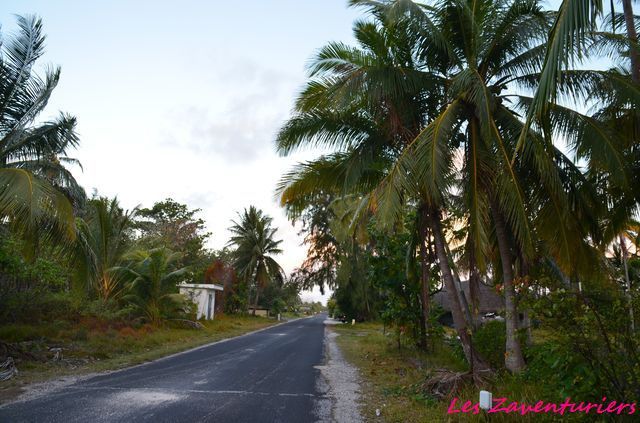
392 378
92 345
393 381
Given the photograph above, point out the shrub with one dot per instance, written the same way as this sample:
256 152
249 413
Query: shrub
81 334
490 342
106 310
35 306
128 332
562 372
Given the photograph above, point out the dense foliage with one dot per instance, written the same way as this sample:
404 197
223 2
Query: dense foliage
461 153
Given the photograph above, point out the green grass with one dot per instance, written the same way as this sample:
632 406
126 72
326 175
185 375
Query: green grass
92 345
290 315
393 380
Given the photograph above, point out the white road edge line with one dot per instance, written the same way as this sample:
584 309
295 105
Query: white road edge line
196 391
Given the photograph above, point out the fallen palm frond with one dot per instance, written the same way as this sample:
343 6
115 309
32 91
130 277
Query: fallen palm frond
7 350
190 324
444 383
8 369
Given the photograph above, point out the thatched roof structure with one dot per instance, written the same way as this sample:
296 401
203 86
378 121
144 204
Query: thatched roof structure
490 300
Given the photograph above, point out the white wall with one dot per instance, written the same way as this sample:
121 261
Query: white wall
200 297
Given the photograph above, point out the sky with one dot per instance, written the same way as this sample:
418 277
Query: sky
183 99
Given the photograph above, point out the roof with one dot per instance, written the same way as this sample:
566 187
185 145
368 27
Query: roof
489 299
208 286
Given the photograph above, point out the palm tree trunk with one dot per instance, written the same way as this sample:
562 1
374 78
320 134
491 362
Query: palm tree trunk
526 320
474 288
513 359
424 277
474 279
257 297
633 37
475 360
248 296
629 21
255 304
627 281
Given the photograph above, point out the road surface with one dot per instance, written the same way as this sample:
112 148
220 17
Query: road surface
269 376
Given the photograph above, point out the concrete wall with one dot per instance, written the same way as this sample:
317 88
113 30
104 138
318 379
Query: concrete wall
200 297
259 312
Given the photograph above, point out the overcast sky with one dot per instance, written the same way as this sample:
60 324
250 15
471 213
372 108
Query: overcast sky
182 99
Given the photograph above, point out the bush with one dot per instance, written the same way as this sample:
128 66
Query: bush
490 342
20 333
30 291
109 310
34 306
562 372
590 351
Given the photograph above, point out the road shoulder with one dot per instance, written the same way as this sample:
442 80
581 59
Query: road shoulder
342 381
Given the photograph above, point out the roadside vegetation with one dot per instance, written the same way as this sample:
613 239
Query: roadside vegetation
491 145
397 381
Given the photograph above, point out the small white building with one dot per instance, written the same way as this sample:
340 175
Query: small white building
203 295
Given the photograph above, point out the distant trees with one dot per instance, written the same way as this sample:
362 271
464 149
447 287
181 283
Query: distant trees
222 273
173 225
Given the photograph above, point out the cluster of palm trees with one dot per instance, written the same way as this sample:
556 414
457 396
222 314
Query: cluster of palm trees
110 264
474 112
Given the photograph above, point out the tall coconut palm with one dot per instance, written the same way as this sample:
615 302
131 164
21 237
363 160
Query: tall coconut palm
104 236
448 60
33 179
369 102
255 245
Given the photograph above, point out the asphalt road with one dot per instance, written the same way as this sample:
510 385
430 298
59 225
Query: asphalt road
267 376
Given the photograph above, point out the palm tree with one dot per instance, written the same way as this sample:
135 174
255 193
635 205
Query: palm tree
437 70
368 103
152 282
481 59
103 238
33 179
253 239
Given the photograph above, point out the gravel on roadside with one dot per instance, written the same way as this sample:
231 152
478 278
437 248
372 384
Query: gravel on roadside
342 383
